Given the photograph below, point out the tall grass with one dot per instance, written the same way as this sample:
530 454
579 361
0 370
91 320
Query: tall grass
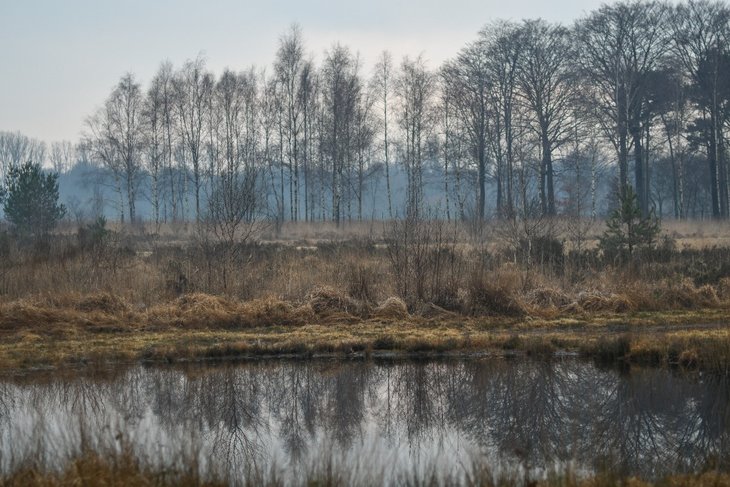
127 281
436 263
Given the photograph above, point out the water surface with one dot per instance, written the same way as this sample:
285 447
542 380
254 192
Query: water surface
388 417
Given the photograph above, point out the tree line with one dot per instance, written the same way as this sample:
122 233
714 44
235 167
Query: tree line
525 119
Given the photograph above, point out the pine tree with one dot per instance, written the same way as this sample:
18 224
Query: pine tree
30 200
626 230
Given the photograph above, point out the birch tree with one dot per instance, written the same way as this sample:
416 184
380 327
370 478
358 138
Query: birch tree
416 89
193 88
382 82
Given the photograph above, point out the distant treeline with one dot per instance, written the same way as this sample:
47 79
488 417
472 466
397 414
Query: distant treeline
530 118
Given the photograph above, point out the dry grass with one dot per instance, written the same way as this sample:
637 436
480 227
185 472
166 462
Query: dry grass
93 469
79 329
315 289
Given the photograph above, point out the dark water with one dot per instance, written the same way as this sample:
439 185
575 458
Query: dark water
377 416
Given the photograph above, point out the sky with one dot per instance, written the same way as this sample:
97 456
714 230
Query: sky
59 59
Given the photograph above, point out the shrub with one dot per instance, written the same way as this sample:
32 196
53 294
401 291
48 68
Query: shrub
93 236
544 251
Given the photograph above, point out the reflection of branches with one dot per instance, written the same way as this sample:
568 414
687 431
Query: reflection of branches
647 421
239 410
7 401
294 404
345 405
706 423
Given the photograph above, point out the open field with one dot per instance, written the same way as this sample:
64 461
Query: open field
687 233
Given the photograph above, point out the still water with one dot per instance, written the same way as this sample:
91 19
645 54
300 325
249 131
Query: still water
384 416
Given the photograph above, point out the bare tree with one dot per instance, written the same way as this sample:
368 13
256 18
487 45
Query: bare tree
155 136
269 125
307 99
193 88
467 86
235 201
364 138
288 67
17 149
62 156
504 50
164 79
546 85
382 86
416 90
619 45
675 122
341 86
117 139
700 33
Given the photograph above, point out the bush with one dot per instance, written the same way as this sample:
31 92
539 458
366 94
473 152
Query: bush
94 235
544 251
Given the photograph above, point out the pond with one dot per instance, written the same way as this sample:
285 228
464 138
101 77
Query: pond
375 417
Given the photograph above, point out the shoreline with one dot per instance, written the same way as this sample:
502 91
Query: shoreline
36 337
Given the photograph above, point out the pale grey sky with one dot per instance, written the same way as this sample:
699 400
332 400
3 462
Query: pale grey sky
60 59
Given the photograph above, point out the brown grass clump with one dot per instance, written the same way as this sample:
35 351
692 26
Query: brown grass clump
212 312
44 318
708 296
686 295
274 312
597 301
432 311
102 302
326 300
195 311
200 303
548 298
392 308
486 298
723 288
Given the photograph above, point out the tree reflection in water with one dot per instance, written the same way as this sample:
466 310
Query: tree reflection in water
537 413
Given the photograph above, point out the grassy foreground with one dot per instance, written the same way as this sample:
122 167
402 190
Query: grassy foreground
93 469
102 329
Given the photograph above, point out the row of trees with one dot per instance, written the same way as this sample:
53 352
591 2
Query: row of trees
522 121
17 149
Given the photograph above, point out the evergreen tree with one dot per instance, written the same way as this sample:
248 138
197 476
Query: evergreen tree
30 200
626 230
